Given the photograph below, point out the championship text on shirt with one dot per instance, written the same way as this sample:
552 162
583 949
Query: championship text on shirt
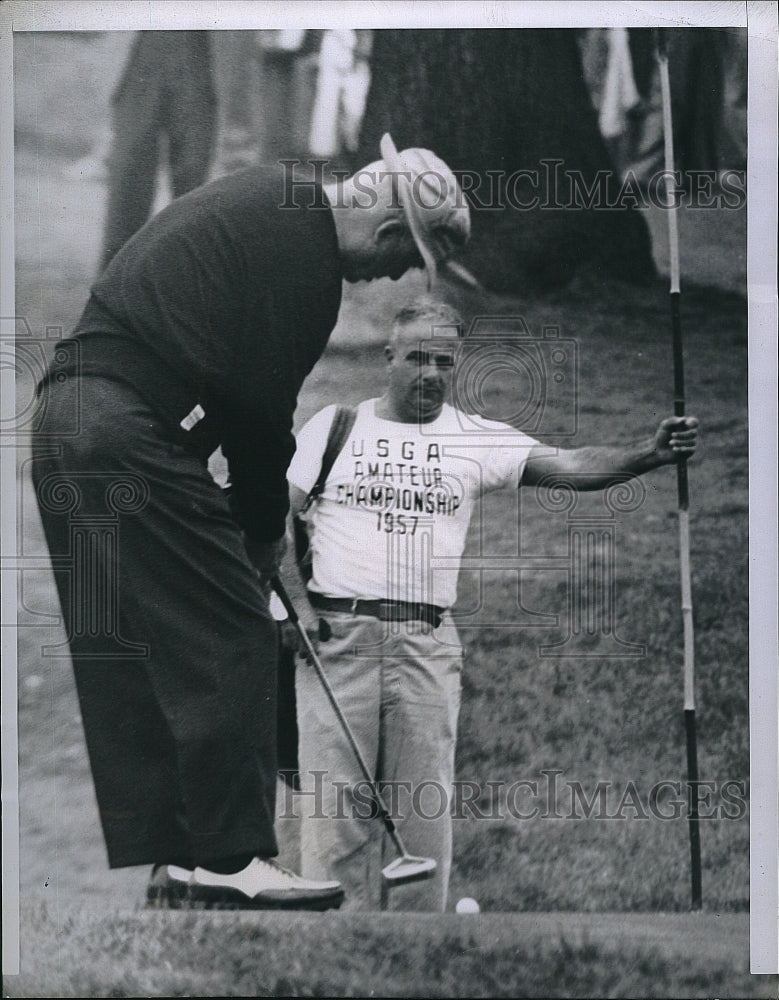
400 485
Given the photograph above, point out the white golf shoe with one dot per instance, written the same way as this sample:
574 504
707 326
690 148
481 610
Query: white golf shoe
262 885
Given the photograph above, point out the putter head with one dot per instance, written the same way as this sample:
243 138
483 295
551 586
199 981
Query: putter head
407 869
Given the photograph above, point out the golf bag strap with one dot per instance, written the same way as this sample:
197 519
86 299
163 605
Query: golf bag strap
343 421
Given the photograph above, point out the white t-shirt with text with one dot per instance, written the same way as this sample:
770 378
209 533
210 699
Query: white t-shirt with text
392 520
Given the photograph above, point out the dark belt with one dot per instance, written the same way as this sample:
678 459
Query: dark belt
386 611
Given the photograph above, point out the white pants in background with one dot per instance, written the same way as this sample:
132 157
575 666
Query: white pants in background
398 684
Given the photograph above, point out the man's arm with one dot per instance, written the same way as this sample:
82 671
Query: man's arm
293 581
312 444
596 467
258 477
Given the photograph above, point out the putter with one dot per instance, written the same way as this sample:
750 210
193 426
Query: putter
406 867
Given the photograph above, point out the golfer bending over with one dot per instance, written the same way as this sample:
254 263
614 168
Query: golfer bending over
200 332
400 495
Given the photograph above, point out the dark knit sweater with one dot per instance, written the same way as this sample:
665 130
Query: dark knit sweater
226 300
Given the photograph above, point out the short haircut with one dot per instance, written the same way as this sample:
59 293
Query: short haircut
439 314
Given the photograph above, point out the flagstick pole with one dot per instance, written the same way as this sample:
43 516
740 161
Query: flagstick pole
682 485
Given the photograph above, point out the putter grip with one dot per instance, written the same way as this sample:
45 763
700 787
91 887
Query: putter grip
283 596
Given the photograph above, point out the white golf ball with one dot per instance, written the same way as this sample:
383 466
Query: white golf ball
467 905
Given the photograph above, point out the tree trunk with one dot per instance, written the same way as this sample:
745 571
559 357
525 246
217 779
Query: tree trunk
502 101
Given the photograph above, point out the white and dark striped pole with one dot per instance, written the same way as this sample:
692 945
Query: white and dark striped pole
681 478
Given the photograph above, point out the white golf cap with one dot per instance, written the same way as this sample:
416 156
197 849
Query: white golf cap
433 204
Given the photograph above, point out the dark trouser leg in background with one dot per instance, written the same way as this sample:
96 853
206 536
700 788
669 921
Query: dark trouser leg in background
166 89
190 115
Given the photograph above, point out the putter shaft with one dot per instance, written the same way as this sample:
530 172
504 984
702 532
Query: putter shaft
389 825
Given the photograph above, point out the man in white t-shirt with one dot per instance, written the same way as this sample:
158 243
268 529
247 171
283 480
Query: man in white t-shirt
387 533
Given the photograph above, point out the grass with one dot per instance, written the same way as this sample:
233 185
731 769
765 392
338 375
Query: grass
618 719
500 955
592 717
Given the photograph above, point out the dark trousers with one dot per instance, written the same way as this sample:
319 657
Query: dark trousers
173 647
166 90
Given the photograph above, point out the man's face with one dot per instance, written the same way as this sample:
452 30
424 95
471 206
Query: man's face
388 253
420 370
